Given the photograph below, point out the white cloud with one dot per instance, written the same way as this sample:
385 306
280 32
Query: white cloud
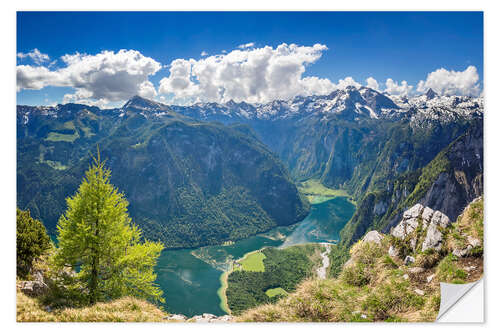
252 75
348 81
147 90
29 77
446 82
313 85
372 83
394 88
35 55
104 77
255 75
179 82
246 46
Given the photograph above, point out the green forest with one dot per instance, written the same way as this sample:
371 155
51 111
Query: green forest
283 268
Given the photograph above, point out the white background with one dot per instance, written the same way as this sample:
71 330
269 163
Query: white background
8 150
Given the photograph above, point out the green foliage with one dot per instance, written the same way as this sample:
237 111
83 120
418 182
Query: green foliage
338 256
448 270
392 296
362 271
96 238
358 274
429 175
189 184
31 241
276 292
428 259
284 269
53 136
389 262
253 262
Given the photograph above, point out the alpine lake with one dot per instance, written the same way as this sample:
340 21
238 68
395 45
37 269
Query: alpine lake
191 279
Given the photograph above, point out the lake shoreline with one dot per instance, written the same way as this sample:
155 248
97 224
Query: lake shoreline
197 278
221 292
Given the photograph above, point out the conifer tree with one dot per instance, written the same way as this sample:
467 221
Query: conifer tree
97 238
31 242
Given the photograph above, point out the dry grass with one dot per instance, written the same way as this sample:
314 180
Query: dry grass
469 223
127 309
373 287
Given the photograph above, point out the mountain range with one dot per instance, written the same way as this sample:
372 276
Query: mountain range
211 172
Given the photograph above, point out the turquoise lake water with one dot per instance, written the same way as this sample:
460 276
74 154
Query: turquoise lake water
190 278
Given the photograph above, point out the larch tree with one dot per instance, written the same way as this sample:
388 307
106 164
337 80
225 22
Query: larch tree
97 238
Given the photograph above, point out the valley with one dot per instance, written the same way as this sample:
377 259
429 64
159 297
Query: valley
220 182
192 278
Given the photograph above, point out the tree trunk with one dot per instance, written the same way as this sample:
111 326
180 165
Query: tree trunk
94 273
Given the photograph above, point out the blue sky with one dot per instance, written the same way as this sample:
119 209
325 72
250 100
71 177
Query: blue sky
381 45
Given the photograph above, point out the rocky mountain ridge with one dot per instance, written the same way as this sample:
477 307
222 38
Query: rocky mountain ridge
349 103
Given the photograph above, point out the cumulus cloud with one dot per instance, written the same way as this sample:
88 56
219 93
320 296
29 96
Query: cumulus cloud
255 75
449 82
252 75
104 77
35 55
394 88
348 81
313 85
372 83
246 46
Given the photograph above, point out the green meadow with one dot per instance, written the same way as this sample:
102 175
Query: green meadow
253 262
275 292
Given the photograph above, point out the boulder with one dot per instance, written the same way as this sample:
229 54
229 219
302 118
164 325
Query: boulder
222 319
413 244
414 211
373 236
38 275
431 220
433 238
416 270
474 242
393 252
427 216
409 260
440 219
34 288
419 292
462 252
200 319
405 227
409 222
177 317
209 316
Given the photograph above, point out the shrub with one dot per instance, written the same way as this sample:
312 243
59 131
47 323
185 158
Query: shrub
389 262
358 274
31 241
391 297
448 271
428 259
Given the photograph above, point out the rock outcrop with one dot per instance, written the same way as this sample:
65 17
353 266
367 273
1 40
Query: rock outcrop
373 236
34 288
422 225
204 318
